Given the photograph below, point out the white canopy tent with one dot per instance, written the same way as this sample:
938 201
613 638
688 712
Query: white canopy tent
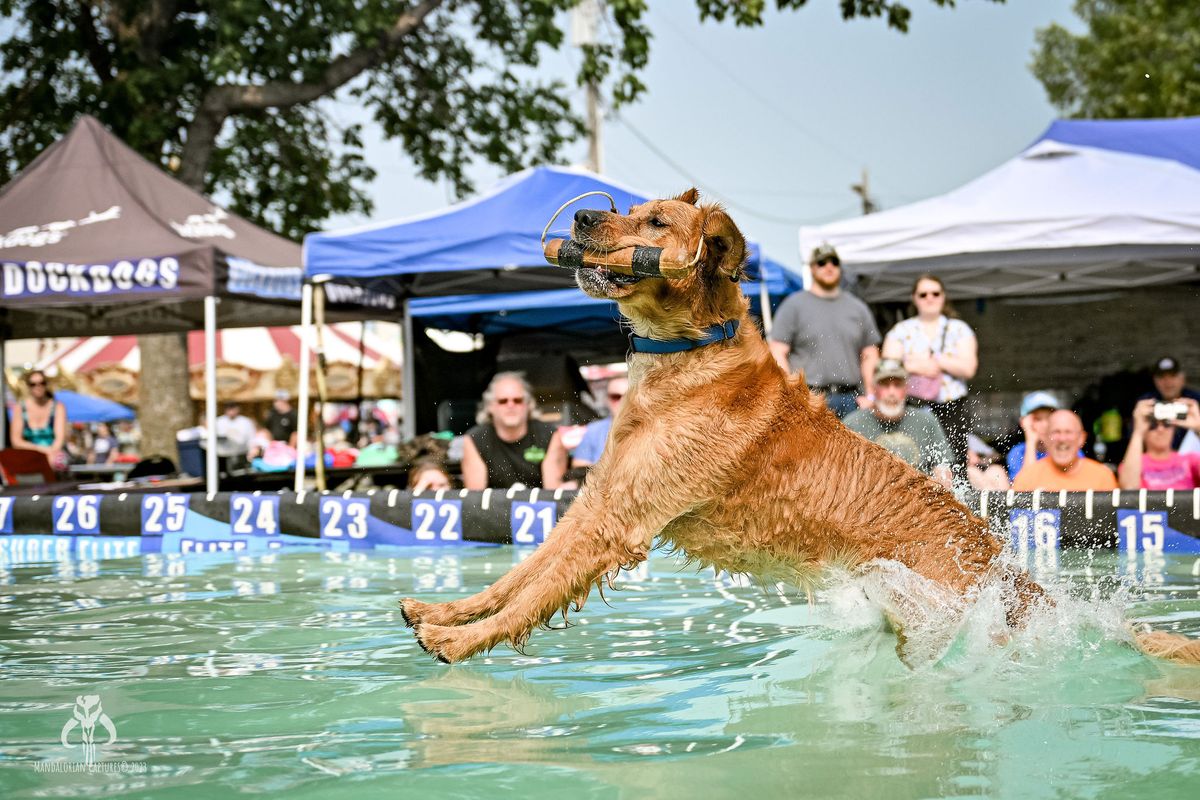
1057 218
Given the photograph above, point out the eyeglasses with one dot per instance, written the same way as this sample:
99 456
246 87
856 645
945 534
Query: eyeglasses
824 262
31 384
1159 423
516 401
923 295
614 397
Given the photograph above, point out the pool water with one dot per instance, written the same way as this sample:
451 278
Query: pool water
291 674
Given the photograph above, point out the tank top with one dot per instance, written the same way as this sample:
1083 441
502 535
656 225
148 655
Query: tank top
513 462
42 437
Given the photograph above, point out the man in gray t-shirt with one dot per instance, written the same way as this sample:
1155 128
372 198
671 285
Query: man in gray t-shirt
830 335
913 434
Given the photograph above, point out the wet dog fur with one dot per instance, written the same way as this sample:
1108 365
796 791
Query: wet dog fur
721 455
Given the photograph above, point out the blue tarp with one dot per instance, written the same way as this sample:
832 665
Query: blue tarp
1174 139
487 245
85 408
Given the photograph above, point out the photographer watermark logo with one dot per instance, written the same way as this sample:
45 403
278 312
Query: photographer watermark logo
88 713
87 720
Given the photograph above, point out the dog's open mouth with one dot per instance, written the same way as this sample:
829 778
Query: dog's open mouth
600 282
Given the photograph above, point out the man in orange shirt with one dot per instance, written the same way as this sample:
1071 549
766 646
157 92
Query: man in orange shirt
1063 467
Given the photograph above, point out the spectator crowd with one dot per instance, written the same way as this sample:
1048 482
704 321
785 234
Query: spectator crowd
907 390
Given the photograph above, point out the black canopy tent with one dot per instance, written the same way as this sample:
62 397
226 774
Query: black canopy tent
96 240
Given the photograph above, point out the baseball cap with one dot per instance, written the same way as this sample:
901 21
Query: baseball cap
1165 364
823 251
1035 400
890 368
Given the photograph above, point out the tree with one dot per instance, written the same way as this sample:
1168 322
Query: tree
1137 59
228 94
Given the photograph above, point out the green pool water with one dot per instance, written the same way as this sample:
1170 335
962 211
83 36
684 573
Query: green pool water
292 675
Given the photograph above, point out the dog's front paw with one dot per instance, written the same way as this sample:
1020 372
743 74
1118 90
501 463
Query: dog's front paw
449 644
413 611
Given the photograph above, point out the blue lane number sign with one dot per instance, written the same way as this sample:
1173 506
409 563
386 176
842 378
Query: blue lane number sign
164 513
1142 530
74 514
437 520
532 522
343 518
254 515
1038 530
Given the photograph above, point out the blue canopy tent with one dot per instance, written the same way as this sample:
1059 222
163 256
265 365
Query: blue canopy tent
489 245
85 408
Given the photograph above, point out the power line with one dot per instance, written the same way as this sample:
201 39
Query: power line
712 60
645 140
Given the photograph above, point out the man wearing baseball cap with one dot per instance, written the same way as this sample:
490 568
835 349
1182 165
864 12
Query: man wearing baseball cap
1036 408
1170 384
829 335
910 433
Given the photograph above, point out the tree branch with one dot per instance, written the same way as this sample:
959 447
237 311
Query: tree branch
222 101
98 55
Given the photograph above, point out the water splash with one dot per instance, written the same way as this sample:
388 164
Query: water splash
937 629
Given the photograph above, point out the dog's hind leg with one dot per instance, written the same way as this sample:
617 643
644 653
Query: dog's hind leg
924 615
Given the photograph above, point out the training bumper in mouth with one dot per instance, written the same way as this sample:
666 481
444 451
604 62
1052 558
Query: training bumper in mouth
635 262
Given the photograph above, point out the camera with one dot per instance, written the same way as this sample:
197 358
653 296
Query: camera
1163 411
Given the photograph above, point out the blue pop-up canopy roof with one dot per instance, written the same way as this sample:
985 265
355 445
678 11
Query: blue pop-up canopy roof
1174 139
487 245
85 408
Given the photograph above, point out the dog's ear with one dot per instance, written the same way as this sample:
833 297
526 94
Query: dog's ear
691 196
725 247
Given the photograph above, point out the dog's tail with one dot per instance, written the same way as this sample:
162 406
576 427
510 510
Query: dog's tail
1169 646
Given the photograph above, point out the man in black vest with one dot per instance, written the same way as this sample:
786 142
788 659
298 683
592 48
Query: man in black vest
508 446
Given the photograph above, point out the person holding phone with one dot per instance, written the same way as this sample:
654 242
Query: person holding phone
1151 461
1170 386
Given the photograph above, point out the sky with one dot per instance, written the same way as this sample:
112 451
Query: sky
778 121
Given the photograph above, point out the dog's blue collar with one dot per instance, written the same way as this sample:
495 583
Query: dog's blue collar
712 334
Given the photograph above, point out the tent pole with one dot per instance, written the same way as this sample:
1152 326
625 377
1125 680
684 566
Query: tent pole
306 298
322 395
408 377
362 355
210 392
764 298
3 395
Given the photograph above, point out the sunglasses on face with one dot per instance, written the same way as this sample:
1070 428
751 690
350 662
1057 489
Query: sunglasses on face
516 401
1159 423
31 384
824 262
923 295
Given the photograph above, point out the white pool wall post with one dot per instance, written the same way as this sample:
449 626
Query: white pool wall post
210 393
302 400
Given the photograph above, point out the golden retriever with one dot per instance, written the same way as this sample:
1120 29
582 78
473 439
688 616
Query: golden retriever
719 454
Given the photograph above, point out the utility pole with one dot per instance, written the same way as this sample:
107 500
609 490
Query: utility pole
863 190
585 23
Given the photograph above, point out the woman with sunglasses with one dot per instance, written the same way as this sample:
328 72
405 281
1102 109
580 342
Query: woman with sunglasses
1150 460
941 354
43 422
